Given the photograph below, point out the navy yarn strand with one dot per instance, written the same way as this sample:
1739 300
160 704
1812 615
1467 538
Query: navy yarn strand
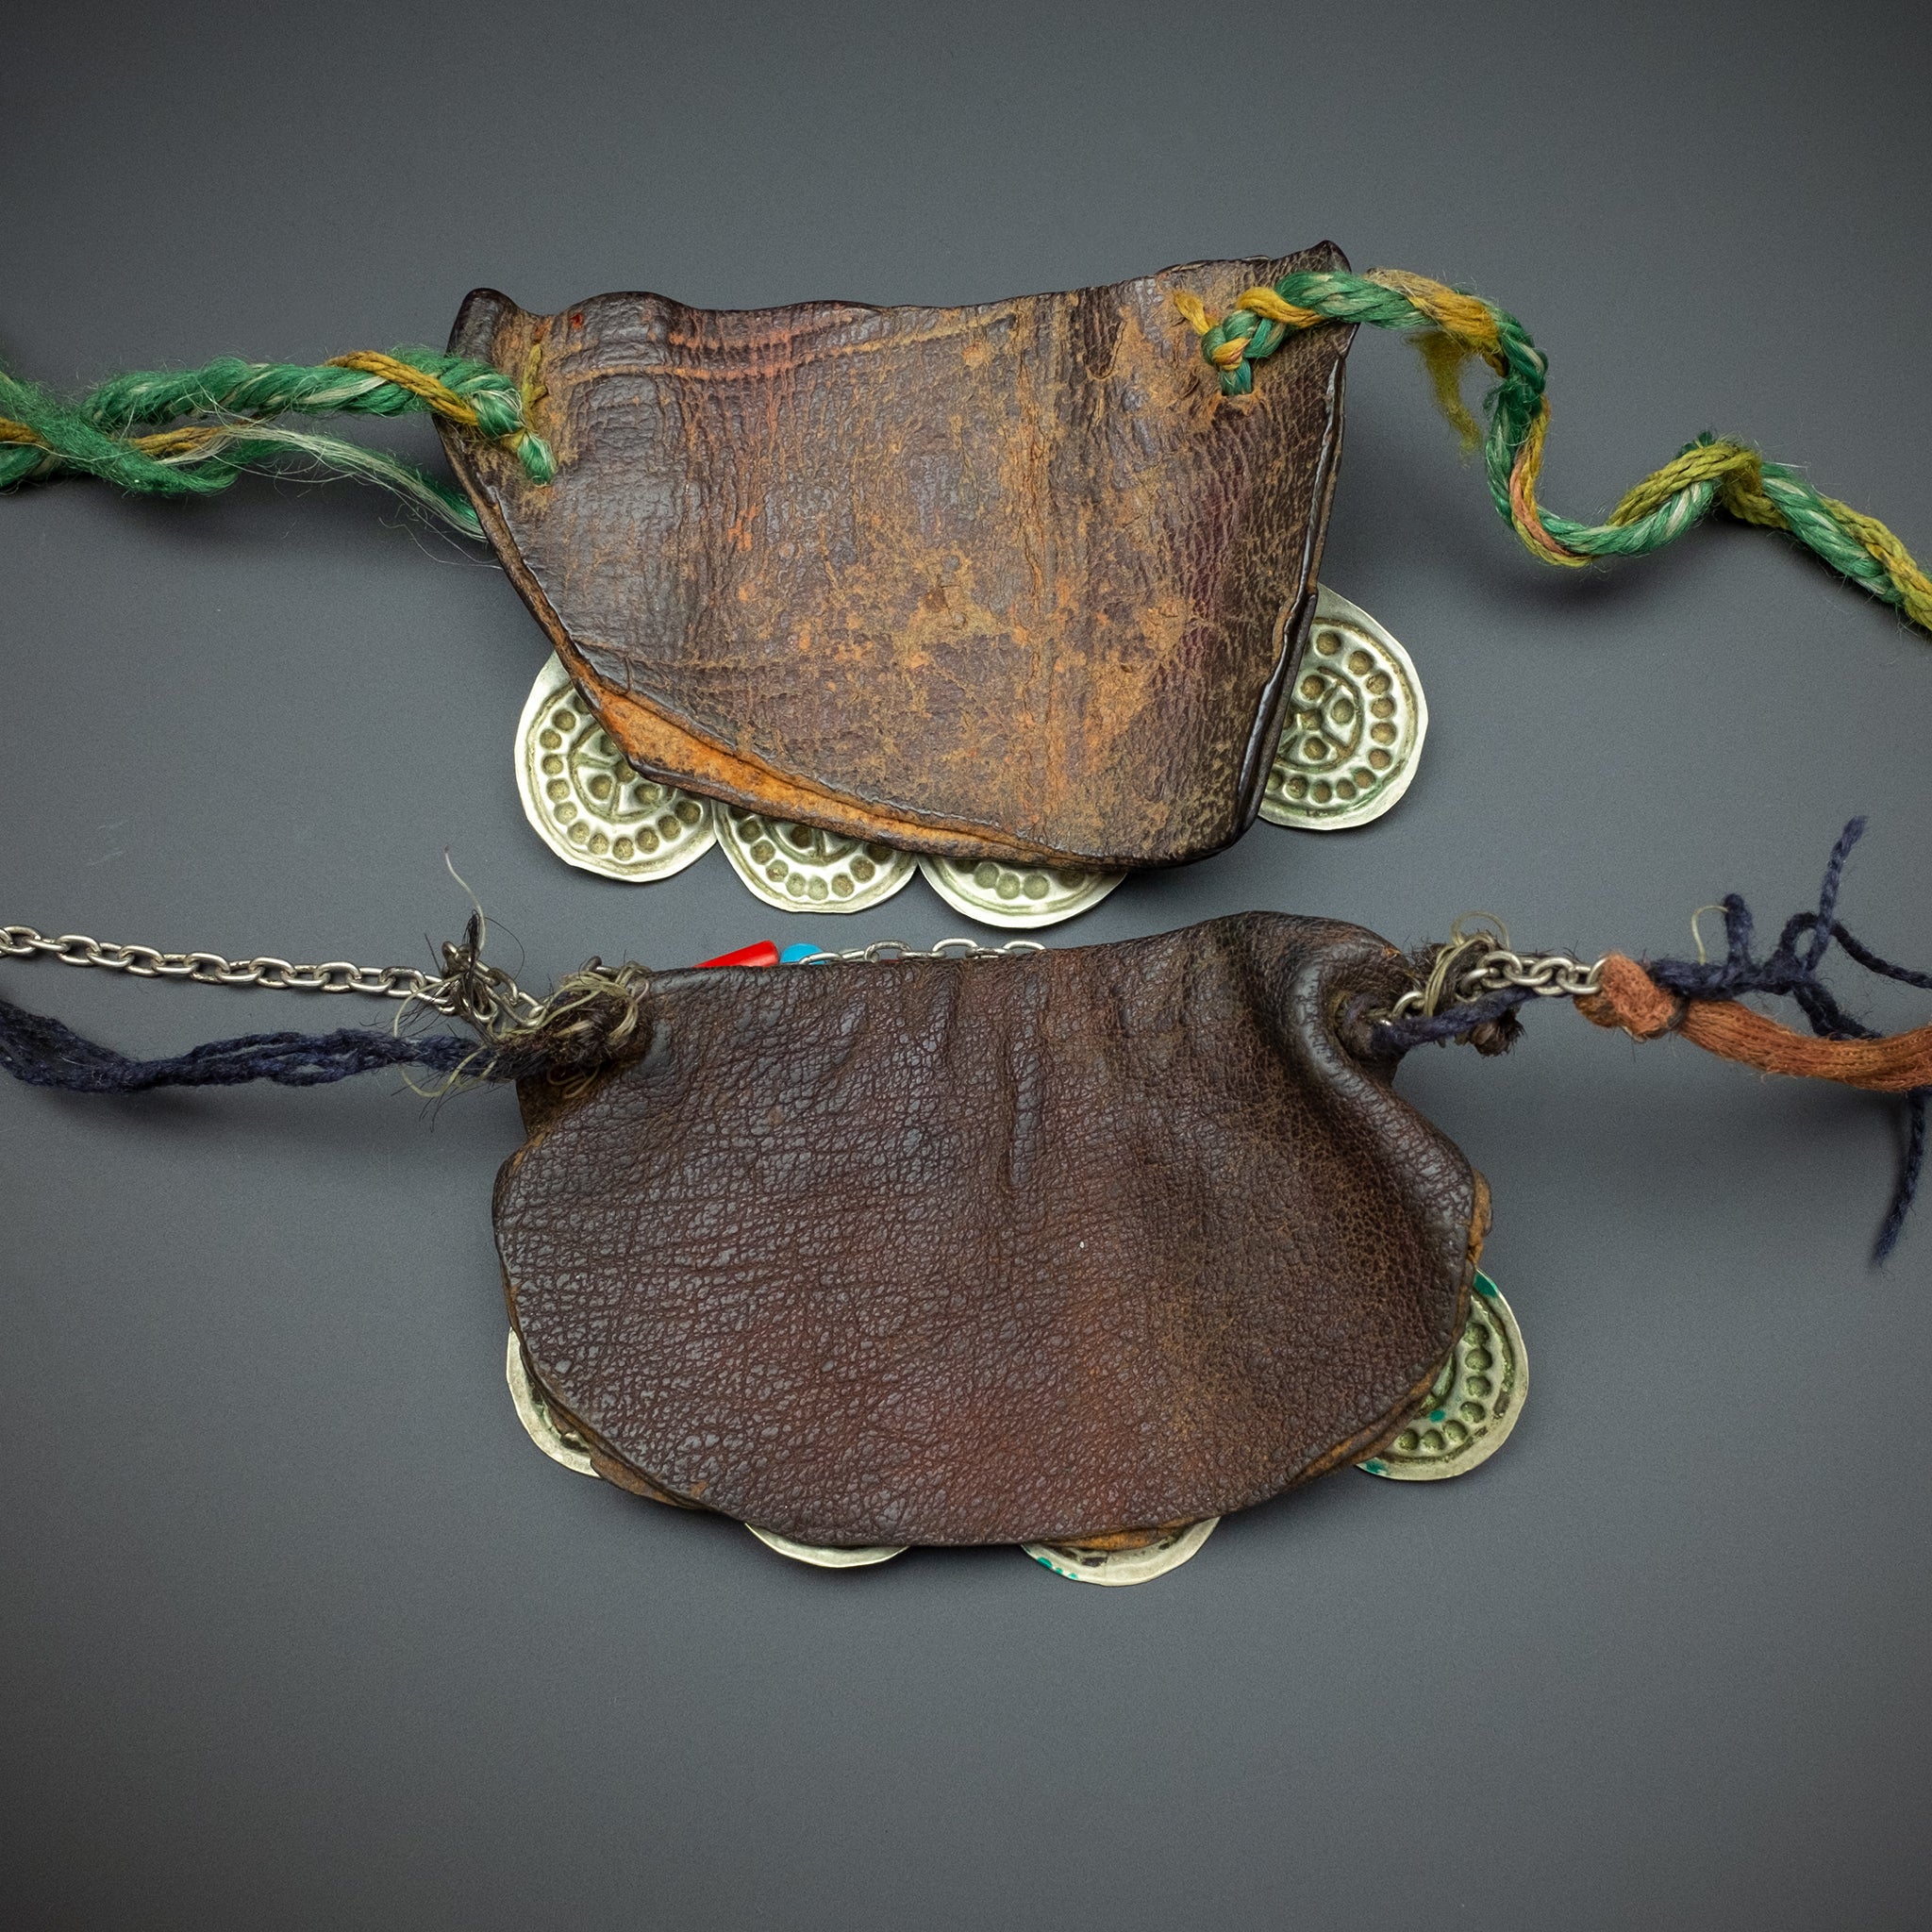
1396 1037
1828 895
1911 1165
44 1053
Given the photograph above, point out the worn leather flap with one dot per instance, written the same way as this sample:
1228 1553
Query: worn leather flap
1007 581
993 1250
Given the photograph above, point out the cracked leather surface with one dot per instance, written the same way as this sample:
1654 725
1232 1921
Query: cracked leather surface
1007 581
993 1250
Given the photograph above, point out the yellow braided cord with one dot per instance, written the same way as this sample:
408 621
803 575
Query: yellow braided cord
1193 311
444 400
1465 319
1738 471
1443 357
532 389
194 438
1525 513
1449 326
1914 585
1266 302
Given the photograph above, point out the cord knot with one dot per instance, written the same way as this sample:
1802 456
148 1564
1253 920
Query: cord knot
1628 997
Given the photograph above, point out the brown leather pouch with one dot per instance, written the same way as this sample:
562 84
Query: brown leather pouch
1011 581
1001 1249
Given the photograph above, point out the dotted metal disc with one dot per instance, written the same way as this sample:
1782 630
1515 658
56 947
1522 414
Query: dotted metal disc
1474 1403
997 895
823 1555
803 869
1120 1567
589 804
1354 726
560 1444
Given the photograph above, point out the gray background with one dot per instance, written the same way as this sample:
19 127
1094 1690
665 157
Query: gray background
297 1630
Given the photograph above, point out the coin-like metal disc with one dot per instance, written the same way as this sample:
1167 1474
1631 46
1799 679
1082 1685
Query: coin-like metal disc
823 1555
586 800
1473 1404
1117 1567
1020 895
560 1444
803 869
1355 726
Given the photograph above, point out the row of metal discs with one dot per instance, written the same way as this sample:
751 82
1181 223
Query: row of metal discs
1470 1412
1347 752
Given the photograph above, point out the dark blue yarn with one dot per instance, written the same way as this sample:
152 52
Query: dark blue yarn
1395 1037
44 1053
1784 971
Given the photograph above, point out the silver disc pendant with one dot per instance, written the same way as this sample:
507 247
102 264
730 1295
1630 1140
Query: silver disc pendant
560 1444
1017 895
1120 1567
1354 726
586 800
824 1556
802 869
1474 1403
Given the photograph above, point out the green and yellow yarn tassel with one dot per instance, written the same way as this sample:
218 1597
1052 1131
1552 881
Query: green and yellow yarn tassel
1450 327
192 433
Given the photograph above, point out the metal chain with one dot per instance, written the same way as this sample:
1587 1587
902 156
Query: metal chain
211 969
890 951
1479 960
468 988
1471 964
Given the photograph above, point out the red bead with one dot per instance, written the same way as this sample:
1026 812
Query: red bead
764 954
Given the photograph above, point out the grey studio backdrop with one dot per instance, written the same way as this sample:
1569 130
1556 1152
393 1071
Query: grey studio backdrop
299 1630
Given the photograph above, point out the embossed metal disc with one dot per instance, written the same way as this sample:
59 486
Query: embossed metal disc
1117 1567
822 1557
803 869
1355 726
1474 1403
560 1444
587 802
1022 896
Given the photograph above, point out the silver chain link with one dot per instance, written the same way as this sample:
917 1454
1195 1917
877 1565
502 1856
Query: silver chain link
1474 964
211 969
890 951
445 992
1480 960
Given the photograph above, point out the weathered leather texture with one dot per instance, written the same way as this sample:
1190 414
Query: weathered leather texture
994 1250
1011 581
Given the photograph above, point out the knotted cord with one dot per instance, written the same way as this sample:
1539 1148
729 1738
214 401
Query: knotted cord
1698 998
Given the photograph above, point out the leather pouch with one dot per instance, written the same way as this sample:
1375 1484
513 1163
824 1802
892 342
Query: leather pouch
998 1249
1010 581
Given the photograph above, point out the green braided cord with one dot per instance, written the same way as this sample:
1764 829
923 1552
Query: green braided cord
1338 297
1515 405
236 402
